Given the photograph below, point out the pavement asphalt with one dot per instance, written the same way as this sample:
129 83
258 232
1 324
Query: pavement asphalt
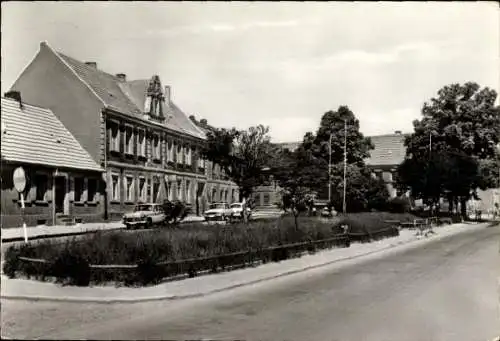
209 284
444 287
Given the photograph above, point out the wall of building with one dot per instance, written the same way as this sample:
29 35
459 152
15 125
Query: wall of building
49 83
39 200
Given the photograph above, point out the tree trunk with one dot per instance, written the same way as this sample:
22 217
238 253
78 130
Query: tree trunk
463 208
296 218
450 204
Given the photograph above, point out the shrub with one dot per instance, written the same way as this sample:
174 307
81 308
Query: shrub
71 267
399 205
372 225
155 251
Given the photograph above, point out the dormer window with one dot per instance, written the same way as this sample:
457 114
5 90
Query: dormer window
154 99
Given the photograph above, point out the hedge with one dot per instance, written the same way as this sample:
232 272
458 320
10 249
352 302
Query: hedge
147 257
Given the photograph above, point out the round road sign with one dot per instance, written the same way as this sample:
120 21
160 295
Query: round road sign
19 179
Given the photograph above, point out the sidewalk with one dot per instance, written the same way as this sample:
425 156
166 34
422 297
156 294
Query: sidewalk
43 231
204 285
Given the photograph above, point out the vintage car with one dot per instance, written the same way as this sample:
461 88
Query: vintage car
218 211
237 210
144 215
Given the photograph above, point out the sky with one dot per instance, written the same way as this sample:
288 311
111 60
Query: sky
280 64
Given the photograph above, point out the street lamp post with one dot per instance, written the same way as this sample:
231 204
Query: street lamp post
330 170
345 166
344 206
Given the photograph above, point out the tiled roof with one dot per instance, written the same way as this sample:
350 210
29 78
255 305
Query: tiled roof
129 97
389 150
175 118
34 135
105 86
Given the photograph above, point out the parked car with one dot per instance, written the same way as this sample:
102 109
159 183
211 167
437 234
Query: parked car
144 215
237 210
218 211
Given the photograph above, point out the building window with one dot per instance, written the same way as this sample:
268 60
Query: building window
91 190
78 189
41 182
114 141
201 161
142 189
129 141
170 153
141 144
267 199
233 199
179 154
156 191
187 153
156 148
179 190
214 194
115 195
168 184
129 188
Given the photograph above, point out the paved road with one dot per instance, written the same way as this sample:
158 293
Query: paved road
446 290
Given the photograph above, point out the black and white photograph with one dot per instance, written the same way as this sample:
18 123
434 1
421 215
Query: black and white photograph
187 170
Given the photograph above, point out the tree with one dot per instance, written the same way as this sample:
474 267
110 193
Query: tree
456 136
363 192
332 123
297 172
241 154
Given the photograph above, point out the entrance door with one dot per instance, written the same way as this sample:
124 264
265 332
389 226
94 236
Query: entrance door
60 193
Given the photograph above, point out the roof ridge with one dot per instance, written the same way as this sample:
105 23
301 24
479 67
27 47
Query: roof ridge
89 67
58 55
201 132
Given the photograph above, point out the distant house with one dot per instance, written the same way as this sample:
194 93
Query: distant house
34 139
388 153
132 128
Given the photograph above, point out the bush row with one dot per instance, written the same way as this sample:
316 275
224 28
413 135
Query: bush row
69 262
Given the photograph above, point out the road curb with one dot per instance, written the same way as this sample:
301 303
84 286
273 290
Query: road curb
57 235
66 234
105 300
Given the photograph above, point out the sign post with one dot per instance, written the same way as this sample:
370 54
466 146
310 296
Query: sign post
19 179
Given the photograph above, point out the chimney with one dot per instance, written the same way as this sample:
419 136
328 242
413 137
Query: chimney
15 95
167 94
121 76
91 64
397 132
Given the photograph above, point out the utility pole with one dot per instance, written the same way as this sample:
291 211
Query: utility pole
345 166
330 170
430 143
